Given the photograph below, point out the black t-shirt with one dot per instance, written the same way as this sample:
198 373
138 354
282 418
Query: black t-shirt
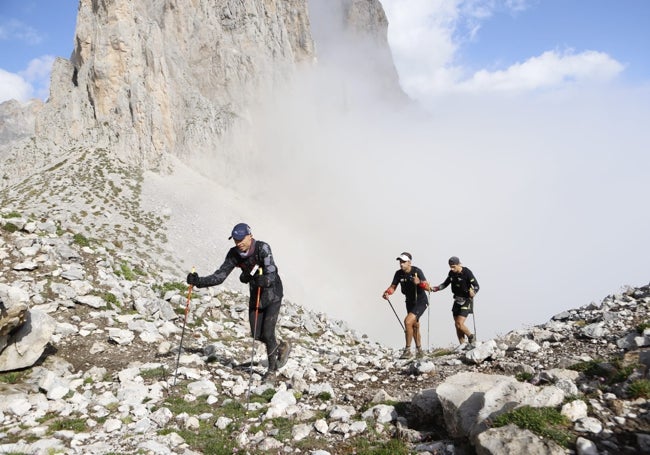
405 281
461 282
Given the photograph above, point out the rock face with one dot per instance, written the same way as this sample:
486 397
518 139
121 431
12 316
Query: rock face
152 77
17 122
159 77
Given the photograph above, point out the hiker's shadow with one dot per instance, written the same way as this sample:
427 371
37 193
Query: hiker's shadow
213 356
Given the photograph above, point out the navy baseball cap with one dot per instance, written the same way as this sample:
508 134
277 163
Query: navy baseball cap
454 260
240 231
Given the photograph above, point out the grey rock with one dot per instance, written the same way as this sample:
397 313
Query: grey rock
28 342
511 439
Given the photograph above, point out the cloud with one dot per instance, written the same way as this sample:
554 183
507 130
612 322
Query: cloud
32 82
551 69
38 74
14 86
426 38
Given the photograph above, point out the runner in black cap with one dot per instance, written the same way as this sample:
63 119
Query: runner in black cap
251 256
464 287
413 285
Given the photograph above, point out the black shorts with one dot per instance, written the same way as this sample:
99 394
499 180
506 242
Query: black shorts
462 307
418 308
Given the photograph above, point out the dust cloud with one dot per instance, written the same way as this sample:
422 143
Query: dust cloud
543 197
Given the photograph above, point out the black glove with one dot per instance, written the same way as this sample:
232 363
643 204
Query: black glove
262 281
245 277
193 279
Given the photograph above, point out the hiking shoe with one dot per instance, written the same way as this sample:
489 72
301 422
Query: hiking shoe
470 338
419 353
406 353
284 349
269 377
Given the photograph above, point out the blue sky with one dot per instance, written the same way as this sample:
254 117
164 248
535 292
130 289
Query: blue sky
517 46
440 47
32 33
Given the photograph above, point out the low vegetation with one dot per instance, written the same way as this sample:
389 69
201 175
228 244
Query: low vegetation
545 422
639 388
606 371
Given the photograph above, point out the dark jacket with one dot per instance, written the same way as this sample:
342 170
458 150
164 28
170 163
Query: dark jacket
259 255
461 283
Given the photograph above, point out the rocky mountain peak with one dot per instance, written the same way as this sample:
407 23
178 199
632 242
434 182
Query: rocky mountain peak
156 78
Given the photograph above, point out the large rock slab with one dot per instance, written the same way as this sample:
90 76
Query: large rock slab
27 344
469 399
13 311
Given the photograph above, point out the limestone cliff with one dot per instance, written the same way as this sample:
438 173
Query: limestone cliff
154 78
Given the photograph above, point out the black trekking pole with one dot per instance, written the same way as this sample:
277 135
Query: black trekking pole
180 347
398 319
474 320
428 321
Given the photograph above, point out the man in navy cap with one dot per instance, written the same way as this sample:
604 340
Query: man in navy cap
464 287
258 269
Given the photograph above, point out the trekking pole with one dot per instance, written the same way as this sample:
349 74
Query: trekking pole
257 306
180 347
416 332
474 320
428 323
398 319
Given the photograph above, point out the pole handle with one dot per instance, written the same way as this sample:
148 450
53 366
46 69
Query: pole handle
189 295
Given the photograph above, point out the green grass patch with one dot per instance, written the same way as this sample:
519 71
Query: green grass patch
639 388
611 372
264 397
111 299
324 396
126 272
282 424
545 422
441 352
80 240
154 373
170 286
12 215
9 227
13 377
363 446
208 439
77 425
642 326
523 376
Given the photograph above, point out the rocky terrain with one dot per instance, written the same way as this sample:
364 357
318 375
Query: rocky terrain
102 349
90 339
